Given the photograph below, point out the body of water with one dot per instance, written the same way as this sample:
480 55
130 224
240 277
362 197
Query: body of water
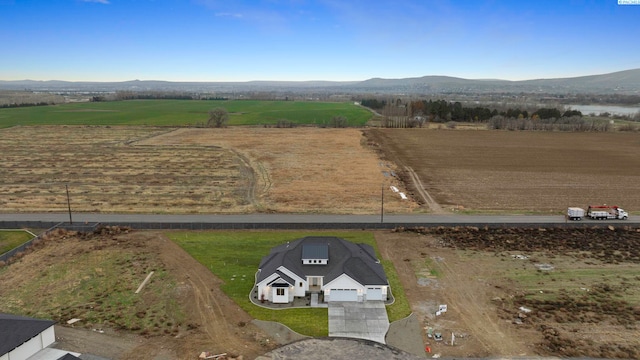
598 109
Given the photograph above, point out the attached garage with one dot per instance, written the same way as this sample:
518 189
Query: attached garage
343 295
374 293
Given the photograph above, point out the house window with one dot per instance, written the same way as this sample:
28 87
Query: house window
280 292
300 283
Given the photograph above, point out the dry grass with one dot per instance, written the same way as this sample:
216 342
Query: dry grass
163 170
303 170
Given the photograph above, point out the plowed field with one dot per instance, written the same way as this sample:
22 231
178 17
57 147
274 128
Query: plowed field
500 171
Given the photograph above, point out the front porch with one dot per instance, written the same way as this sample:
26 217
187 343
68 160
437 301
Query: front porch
310 300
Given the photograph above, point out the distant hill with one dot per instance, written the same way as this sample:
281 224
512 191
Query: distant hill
622 82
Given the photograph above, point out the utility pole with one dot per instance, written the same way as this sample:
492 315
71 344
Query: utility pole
68 203
382 204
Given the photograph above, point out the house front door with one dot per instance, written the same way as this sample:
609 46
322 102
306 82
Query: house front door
315 283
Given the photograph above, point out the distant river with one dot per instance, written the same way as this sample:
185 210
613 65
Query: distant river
598 109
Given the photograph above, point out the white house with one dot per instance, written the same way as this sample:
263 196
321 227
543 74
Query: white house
334 267
24 338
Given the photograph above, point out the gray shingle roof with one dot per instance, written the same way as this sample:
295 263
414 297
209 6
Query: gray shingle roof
16 330
356 260
315 251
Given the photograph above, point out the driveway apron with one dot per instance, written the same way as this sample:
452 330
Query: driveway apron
361 320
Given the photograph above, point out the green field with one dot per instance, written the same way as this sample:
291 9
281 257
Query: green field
12 239
234 257
183 113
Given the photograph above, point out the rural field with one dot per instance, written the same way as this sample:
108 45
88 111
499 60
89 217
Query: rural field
313 170
559 292
191 170
517 172
184 113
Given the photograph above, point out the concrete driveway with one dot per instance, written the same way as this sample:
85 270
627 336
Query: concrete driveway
361 320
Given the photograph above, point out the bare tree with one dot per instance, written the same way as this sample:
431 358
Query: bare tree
338 122
218 117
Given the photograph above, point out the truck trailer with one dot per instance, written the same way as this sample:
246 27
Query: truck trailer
597 212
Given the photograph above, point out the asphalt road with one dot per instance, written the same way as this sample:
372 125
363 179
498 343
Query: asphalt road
302 219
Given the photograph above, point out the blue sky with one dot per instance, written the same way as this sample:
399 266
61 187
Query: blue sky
298 40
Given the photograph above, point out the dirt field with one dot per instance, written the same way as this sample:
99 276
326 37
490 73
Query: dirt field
501 302
501 171
583 303
164 170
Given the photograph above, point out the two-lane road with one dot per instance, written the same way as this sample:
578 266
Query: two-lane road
298 220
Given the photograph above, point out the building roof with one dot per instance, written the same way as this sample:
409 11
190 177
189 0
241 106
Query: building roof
16 330
68 356
315 251
356 260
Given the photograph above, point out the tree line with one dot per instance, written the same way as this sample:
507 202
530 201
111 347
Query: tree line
441 111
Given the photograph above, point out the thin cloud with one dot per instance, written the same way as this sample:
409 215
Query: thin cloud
106 2
233 15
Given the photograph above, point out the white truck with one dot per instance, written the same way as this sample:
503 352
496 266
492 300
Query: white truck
597 212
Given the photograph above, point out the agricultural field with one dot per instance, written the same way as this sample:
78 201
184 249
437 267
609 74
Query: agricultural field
184 113
516 172
192 170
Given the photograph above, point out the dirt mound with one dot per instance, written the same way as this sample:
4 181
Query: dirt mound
567 292
611 245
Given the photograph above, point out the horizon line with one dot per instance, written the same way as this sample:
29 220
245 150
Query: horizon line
317 80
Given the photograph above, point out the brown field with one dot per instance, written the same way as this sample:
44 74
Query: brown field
163 170
311 170
500 171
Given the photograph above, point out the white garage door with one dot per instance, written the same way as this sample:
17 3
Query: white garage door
343 295
374 294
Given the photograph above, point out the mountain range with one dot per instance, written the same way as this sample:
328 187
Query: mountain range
622 82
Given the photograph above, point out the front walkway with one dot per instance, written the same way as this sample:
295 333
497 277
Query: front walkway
361 320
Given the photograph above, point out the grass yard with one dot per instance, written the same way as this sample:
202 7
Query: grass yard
95 282
11 239
234 258
183 113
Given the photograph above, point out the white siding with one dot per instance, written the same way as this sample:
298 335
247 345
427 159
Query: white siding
27 349
343 282
48 337
4 357
297 289
280 299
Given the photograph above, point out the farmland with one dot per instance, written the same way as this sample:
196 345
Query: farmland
183 113
164 170
582 302
517 172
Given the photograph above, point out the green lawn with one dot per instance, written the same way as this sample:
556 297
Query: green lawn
11 239
183 113
234 257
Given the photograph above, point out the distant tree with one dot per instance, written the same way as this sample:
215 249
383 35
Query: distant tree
570 113
338 122
218 117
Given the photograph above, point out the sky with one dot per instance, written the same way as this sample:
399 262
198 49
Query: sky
302 40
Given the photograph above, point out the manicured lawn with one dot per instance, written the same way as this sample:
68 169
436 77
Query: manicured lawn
183 113
234 257
11 239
